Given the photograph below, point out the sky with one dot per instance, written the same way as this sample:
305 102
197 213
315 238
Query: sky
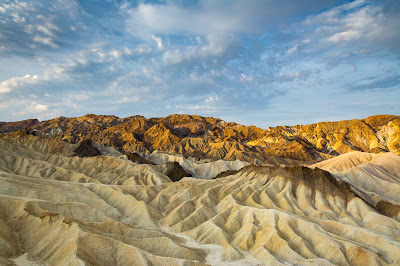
254 62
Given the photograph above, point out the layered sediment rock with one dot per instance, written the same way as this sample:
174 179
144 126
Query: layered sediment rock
212 138
374 177
57 208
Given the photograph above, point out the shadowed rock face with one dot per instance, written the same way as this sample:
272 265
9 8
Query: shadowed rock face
175 172
213 138
20 125
388 208
58 209
315 179
134 157
31 131
225 173
86 149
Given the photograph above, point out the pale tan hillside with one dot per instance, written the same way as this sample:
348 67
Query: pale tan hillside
60 209
207 169
374 177
203 170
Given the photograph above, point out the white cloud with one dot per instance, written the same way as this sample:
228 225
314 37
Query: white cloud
115 53
27 24
15 7
244 77
216 45
355 21
29 28
344 36
208 107
128 51
158 41
333 15
25 107
47 28
210 99
182 53
37 107
17 18
45 40
44 30
293 49
15 82
168 19
143 49
298 46
251 16
131 99
174 57
17 11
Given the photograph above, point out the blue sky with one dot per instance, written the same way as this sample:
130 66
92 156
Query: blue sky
263 63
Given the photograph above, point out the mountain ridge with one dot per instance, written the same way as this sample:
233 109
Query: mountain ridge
213 138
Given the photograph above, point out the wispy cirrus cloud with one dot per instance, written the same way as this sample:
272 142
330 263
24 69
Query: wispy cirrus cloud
29 28
386 83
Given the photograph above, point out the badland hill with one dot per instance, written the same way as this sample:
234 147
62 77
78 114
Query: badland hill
191 190
213 138
85 204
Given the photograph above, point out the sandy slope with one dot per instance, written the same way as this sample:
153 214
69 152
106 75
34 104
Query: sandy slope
374 177
203 170
65 210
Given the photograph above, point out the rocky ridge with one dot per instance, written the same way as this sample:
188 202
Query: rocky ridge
213 138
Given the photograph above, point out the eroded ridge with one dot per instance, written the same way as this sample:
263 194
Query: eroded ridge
374 177
62 209
213 138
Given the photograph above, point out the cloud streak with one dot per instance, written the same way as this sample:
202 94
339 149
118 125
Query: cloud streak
386 83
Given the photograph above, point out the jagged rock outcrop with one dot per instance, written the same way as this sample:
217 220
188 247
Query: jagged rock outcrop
212 138
136 158
59 209
173 170
86 149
